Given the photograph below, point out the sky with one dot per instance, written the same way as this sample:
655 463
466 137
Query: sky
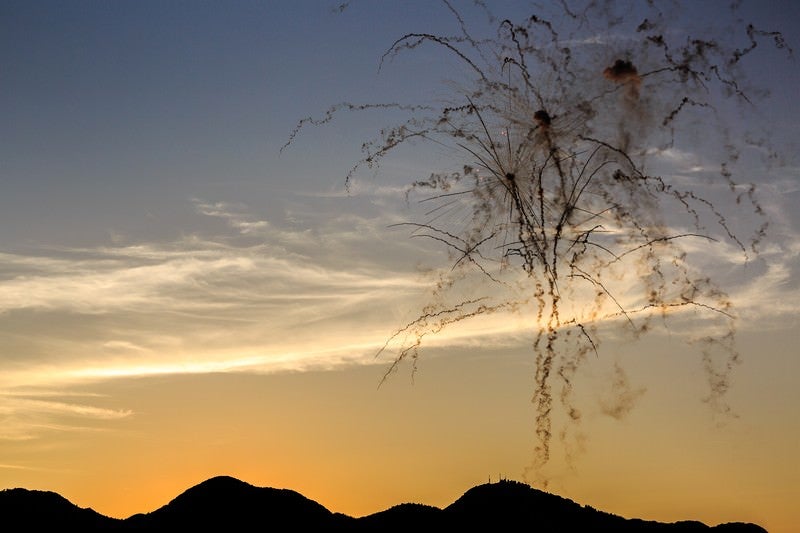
180 297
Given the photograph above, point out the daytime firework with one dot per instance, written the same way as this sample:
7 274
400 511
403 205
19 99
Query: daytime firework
548 201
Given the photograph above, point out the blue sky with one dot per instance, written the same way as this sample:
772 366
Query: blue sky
117 110
116 113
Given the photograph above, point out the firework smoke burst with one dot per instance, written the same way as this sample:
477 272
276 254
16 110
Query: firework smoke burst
548 185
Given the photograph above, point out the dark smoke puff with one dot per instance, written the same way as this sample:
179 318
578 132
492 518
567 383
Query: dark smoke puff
622 72
542 118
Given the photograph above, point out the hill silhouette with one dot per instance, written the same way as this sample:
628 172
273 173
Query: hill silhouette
36 510
228 504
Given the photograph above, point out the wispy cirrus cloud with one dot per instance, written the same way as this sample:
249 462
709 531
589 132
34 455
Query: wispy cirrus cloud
257 298
27 415
318 291
235 215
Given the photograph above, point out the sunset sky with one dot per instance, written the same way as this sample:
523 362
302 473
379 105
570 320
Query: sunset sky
181 299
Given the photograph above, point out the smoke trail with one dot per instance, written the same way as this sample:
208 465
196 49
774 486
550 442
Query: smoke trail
548 184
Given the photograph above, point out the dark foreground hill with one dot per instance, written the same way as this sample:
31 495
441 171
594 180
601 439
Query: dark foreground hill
227 504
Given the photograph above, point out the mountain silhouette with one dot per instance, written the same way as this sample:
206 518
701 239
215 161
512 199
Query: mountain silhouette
36 510
228 504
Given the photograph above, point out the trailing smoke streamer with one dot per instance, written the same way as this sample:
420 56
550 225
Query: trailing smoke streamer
548 201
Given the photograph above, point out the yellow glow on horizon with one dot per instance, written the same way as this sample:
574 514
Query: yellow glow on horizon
336 438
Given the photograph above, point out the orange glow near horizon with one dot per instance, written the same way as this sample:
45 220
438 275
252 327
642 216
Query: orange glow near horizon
337 439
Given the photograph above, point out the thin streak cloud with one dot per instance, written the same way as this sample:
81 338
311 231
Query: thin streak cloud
25 418
253 300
